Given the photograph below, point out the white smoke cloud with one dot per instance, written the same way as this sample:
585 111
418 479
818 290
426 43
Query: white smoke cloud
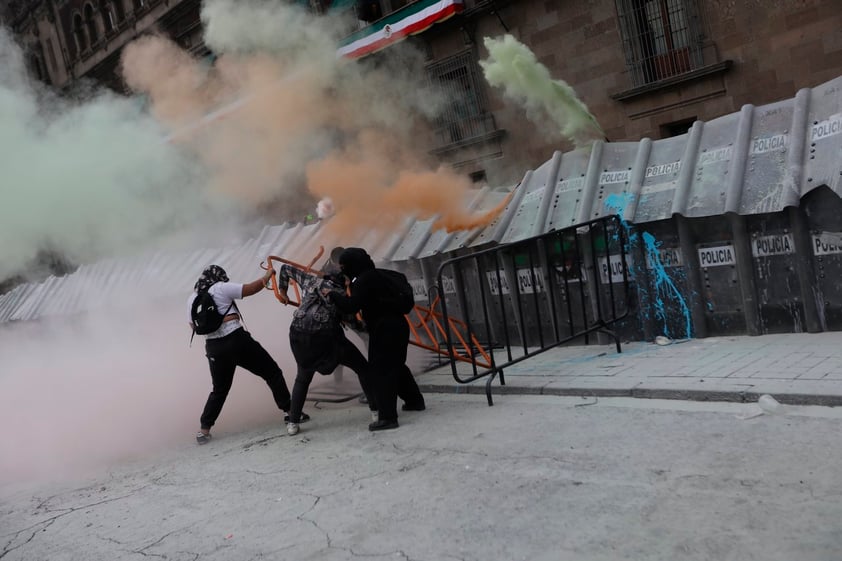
88 178
269 26
325 208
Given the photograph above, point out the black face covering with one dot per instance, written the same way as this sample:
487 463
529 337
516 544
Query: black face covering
355 261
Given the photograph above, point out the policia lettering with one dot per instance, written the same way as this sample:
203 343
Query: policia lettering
773 245
717 256
826 128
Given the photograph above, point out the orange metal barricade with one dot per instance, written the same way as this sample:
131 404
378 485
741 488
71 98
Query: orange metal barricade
426 325
430 323
270 262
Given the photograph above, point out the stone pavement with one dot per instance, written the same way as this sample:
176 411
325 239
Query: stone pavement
798 369
534 478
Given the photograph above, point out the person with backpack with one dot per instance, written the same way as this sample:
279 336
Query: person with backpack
317 338
214 314
383 300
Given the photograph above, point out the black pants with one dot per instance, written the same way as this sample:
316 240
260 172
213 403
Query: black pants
391 376
224 356
342 351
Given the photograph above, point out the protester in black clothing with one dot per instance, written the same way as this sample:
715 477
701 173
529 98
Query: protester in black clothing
317 339
389 337
331 266
231 346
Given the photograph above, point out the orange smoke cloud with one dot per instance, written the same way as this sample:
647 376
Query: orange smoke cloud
181 98
252 151
376 184
438 193
288 131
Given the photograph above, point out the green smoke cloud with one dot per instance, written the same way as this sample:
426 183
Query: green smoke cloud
513 67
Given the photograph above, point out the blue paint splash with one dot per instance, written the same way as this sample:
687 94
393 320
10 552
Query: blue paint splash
665 288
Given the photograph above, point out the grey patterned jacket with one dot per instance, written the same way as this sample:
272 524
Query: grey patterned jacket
316 312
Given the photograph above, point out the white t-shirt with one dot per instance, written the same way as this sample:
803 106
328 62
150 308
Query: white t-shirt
224 294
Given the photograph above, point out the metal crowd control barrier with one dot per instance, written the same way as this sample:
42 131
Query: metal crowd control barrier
530 296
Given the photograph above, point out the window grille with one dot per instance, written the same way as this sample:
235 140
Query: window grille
465 113
661 38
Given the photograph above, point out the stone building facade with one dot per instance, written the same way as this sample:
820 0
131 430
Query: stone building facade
65 40
645 68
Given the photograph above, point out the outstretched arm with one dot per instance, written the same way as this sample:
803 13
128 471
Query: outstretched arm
257 285
288 273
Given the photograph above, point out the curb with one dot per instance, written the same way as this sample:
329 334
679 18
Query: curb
643 393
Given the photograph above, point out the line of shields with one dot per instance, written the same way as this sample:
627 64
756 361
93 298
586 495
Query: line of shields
426 327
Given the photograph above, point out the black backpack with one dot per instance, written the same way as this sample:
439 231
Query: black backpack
400 297
205 315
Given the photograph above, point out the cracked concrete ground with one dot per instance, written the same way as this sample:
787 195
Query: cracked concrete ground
533 478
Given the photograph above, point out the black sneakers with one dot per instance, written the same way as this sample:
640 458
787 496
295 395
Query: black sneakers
383 424
202 438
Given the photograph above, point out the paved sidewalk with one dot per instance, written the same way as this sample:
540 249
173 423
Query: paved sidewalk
796 368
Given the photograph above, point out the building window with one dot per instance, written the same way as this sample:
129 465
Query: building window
90 24
465 115
119 12
478 177
661 38
107 11
368 10
677 128
79 33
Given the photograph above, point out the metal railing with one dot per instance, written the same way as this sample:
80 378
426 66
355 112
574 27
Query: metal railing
521 299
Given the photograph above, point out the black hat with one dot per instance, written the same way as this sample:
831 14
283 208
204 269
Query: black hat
354 261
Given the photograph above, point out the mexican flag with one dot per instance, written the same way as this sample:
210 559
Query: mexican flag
409 20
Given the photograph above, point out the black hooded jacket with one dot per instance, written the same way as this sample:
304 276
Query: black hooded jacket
366 289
